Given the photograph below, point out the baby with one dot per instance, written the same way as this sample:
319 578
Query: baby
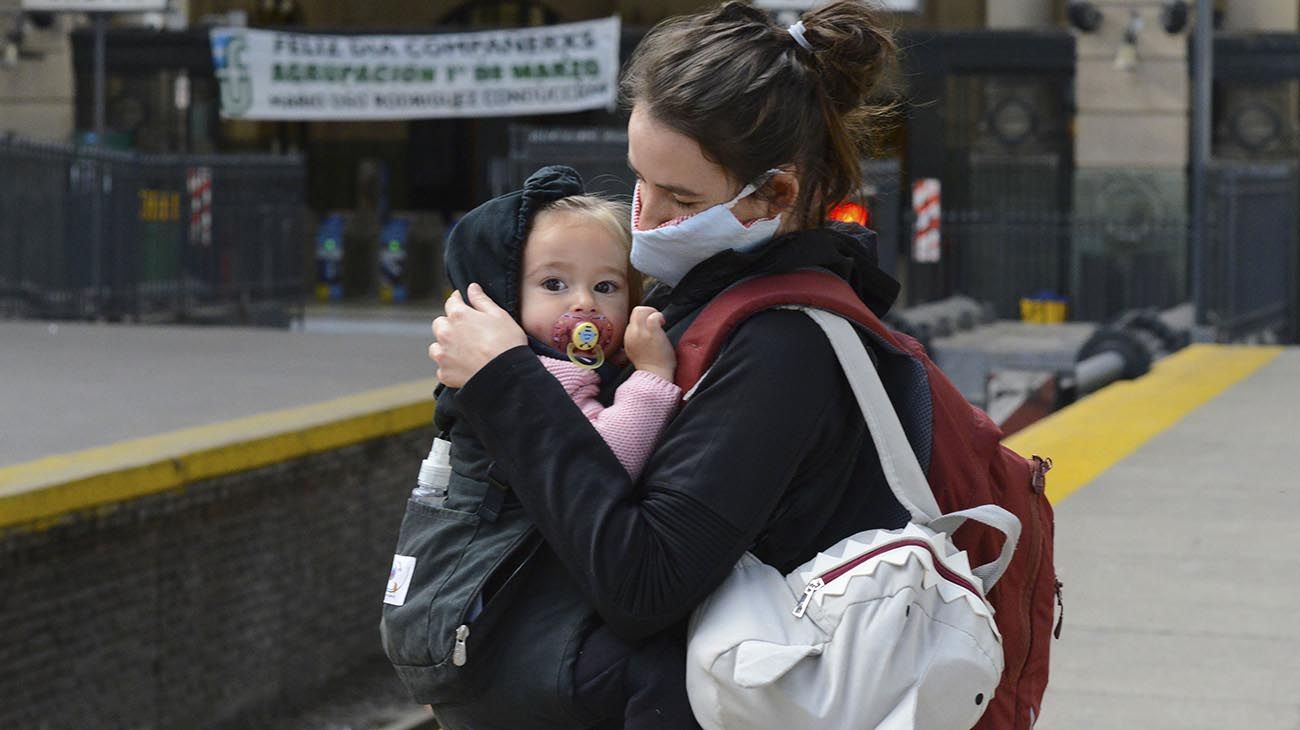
577 293
557 260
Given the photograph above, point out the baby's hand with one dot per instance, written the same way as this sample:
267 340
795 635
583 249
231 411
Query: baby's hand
646 344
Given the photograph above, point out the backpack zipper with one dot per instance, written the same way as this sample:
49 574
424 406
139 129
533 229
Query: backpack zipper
816 584
460 655
1042 465
460 650
819 582
1038 483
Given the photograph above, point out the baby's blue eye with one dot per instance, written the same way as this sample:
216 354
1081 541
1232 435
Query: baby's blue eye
552 284
606 287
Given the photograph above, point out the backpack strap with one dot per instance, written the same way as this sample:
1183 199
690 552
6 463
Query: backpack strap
829 301
700 344
897 460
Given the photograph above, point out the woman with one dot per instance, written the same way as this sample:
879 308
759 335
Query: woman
741 135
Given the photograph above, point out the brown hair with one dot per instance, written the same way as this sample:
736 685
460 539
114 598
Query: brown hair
755 99
614 217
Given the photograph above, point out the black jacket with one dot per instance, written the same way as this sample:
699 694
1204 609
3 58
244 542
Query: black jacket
769 455
492 626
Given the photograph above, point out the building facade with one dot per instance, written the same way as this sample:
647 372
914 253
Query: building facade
1062 147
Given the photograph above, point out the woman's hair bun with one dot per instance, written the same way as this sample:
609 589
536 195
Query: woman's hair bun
755 98
853 50
734 11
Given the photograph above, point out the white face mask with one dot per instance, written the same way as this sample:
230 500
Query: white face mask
674 248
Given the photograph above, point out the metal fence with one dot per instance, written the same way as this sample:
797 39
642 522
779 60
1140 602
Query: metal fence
1104 267
1251 257
1101 267
599 154
1121 264
1000 257
100 234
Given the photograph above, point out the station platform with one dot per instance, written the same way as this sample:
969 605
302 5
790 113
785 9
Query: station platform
71 386
1176 501
1176 494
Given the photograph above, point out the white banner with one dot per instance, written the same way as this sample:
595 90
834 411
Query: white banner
546 70
94 6
893 6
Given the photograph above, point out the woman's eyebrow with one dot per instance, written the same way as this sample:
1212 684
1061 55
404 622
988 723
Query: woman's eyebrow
674 189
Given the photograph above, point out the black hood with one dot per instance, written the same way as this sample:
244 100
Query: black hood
487 245
846 250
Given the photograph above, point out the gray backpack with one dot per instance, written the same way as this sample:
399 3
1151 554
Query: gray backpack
481 621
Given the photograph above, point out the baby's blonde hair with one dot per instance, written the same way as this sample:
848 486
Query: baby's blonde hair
615 217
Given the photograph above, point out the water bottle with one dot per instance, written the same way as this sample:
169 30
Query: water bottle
435 473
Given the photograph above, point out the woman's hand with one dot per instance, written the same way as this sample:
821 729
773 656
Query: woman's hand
647 345
469 335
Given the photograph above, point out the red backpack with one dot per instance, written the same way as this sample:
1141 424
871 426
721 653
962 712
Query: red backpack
968 467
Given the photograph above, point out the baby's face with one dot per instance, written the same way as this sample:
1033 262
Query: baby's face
572 264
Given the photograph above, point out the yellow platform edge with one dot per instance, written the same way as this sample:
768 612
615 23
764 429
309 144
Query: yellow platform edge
1090 436
1083 440
40 493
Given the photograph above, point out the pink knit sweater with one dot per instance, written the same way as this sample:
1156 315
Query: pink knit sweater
641 409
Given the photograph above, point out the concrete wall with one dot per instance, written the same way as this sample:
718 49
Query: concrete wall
195 607
1262 15
1131 151
1139 118
1134 118
202 577
964 14
1010 14
36 94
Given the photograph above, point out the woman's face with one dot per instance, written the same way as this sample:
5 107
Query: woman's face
676 179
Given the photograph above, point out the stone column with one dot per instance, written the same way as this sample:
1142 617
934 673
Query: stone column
1131 152
1263 15
36 95
1013 14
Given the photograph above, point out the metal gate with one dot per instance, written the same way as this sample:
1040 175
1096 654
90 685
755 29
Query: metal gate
1252 276
999 101
1252 242
599 154
179 237
1007 188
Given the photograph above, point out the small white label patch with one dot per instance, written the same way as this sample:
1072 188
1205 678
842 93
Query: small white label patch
399 579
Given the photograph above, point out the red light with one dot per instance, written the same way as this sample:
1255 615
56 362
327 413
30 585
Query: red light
848 212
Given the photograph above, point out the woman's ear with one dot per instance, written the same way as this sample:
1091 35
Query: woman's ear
780 192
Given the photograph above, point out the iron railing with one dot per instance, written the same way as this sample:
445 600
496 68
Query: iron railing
1251 257
1100 267
1105 266
89 233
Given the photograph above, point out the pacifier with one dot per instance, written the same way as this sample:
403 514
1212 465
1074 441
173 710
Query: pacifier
583 337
